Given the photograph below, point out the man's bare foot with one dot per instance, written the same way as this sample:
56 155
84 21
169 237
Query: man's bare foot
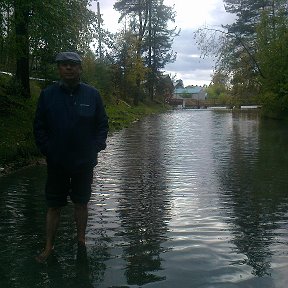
42 257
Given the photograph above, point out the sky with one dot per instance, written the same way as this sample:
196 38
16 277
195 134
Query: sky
190 15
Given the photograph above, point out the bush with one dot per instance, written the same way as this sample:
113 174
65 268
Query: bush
274 106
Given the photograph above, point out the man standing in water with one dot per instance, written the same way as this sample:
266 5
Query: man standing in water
70 128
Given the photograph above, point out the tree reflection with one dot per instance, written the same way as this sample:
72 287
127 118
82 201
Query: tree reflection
254 184
143 206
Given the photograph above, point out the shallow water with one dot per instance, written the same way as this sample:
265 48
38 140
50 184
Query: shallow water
190 198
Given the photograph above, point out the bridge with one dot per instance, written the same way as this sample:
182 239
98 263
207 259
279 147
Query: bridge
207 103
196 103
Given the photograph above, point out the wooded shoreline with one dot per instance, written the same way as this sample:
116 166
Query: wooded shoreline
17 147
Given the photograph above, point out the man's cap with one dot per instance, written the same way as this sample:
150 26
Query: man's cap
68 56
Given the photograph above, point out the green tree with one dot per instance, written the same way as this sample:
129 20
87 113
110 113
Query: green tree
218 89
147 21
253 51
74 27
158 43
138 10
240 50
272 55
98 72
128 67
37 30
235 46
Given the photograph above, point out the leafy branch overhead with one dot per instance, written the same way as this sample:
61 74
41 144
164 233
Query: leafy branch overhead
212 41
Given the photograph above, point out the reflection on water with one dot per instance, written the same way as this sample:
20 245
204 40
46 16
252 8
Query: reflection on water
183 199
254 179
143 203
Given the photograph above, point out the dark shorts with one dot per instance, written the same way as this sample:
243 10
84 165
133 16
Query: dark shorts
61 184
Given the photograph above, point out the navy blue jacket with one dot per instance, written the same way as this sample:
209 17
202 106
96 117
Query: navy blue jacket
70 128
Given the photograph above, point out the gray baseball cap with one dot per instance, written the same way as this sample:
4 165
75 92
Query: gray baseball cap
68 56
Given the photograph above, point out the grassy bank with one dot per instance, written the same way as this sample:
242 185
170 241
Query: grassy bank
17 147
122 114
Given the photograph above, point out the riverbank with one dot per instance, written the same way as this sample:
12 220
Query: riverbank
17 147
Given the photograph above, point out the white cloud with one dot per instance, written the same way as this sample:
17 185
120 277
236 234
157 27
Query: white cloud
109 15
191 16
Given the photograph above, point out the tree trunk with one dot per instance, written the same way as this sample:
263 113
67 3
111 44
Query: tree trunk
150 76
137 92
21 10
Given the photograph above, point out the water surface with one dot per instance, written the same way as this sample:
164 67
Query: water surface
189 198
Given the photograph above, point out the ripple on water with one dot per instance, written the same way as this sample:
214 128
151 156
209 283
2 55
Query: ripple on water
182 199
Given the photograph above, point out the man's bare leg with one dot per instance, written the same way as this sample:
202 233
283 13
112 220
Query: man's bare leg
81 218
52 223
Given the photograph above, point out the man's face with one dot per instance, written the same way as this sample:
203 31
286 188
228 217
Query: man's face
69 71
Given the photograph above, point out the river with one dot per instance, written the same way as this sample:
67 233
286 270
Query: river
188 198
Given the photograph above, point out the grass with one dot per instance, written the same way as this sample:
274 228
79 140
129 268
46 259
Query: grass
17 146
122 114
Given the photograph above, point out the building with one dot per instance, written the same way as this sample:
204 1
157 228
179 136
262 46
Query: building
188 96
190 92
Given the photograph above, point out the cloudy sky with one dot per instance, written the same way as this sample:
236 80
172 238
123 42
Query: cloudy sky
191 14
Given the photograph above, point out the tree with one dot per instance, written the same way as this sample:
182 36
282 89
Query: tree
37 30
138 10
253 52
147 20
243 47
218 89
98 73
272 55
235 45
73 35
158 42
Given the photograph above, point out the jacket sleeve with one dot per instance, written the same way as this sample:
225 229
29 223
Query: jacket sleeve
102 126
40 128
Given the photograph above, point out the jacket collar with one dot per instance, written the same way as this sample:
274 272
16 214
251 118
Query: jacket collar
70 89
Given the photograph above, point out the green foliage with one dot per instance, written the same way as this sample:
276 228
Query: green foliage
17 142
218 94
275 105
273 51
218 86
272 55
33 31
98 74
271 105
128 68
122 114
214 91
73 28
